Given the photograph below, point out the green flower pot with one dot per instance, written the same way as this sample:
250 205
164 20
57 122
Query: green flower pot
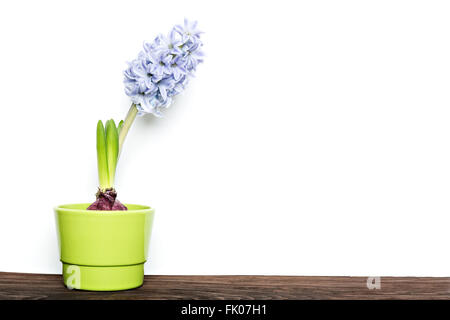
103 250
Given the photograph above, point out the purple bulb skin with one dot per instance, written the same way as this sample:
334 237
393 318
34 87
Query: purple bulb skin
106 201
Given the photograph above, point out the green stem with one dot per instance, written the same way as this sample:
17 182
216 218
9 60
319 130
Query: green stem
127 125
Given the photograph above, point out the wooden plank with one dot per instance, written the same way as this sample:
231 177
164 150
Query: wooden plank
44 286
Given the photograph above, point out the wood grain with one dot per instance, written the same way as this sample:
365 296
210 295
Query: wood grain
39 286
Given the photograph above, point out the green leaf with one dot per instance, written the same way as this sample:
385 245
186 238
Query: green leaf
112 149
119 126
102 163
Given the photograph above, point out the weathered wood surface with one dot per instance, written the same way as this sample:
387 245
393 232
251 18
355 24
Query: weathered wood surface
45 286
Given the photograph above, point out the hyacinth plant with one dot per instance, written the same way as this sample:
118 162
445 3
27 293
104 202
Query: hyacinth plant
159 73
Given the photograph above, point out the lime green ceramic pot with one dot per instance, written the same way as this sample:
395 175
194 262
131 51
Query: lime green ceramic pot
103 250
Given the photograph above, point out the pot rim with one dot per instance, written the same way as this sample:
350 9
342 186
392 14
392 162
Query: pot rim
67 208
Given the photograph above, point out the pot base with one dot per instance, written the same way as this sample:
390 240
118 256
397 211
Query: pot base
96 278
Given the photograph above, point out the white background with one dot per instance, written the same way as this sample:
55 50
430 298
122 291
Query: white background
315 139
